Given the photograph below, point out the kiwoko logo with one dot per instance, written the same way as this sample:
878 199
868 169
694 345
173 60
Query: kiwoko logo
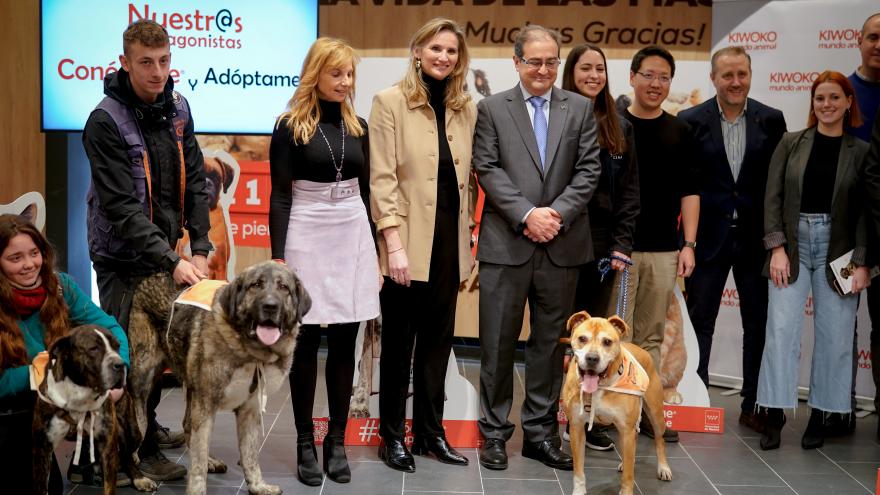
791 81
754 40
832 39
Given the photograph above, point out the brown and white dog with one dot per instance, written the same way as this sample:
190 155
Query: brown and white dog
74 399
609 382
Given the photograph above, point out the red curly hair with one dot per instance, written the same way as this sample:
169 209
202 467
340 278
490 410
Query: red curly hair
53 314
852 117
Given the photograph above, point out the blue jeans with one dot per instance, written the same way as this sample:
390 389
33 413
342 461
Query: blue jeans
833 317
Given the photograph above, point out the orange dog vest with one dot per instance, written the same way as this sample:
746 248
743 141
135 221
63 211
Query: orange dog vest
201 294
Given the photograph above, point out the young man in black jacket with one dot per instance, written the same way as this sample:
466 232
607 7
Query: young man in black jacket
148 185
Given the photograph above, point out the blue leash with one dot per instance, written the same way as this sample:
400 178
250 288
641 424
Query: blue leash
604 268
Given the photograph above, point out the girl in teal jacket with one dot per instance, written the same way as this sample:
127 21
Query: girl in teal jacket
37 305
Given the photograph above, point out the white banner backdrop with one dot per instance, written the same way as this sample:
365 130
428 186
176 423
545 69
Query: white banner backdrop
791 42
690 86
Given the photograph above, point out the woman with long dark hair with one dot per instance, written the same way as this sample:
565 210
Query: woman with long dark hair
37 306
615 204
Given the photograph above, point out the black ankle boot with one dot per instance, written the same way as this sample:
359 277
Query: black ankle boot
773 429
335 462
307 469
814 435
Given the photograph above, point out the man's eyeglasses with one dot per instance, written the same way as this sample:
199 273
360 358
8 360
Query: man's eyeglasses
536 63
651 77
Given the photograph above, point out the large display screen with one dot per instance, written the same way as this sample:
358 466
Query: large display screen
237 63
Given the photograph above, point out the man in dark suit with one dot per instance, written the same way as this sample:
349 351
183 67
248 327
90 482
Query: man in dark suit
735 136
537 159
866 82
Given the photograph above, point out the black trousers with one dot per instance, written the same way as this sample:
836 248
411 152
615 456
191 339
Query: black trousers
116 292
504 290
338 374
16 458
704 290
417 328
593 294
873 296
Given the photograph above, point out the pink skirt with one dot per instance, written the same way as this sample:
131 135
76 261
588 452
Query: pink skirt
331 249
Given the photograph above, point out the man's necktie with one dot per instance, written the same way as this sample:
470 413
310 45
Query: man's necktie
540 126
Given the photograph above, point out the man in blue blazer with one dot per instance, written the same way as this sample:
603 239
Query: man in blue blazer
736 137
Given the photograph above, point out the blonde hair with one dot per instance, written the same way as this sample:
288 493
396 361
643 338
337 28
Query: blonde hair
412 85
303 111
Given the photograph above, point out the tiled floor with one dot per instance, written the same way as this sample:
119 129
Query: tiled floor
729 464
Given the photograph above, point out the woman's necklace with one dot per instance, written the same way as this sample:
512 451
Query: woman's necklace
333 156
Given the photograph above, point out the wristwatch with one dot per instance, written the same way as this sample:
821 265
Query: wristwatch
691 244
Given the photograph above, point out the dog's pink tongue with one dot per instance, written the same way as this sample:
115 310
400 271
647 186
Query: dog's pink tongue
590 383
268 335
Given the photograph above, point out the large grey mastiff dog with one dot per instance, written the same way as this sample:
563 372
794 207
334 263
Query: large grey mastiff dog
230 350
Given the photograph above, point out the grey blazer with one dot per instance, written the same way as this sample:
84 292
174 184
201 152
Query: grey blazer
509 169
782 201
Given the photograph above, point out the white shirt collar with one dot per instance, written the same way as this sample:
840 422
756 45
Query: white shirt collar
527 95
721 110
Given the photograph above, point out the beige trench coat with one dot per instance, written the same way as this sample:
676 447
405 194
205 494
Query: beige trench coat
404 159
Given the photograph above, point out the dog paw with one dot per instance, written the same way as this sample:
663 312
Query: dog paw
664 473
216 465
579 487
145 485
262 488
671 396
626 491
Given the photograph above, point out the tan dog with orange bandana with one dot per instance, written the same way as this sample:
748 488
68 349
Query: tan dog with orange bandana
608 384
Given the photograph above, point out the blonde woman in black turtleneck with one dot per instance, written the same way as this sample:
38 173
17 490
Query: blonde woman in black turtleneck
421 200
318 223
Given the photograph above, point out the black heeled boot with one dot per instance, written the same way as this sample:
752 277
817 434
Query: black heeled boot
814 435
773 429
307 469
335 462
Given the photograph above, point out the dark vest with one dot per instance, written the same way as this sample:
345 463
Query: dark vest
103 239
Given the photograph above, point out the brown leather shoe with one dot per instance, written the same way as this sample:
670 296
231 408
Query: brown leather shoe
755 421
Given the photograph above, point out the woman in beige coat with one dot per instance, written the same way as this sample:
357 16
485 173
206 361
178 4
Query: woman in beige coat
420 187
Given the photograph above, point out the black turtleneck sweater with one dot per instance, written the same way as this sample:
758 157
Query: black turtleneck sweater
312 161
447 183
820 174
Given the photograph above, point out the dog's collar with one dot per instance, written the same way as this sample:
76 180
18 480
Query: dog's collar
629 378
53 398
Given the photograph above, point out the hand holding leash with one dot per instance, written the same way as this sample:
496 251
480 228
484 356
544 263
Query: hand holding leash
187 273
201 262
620 261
